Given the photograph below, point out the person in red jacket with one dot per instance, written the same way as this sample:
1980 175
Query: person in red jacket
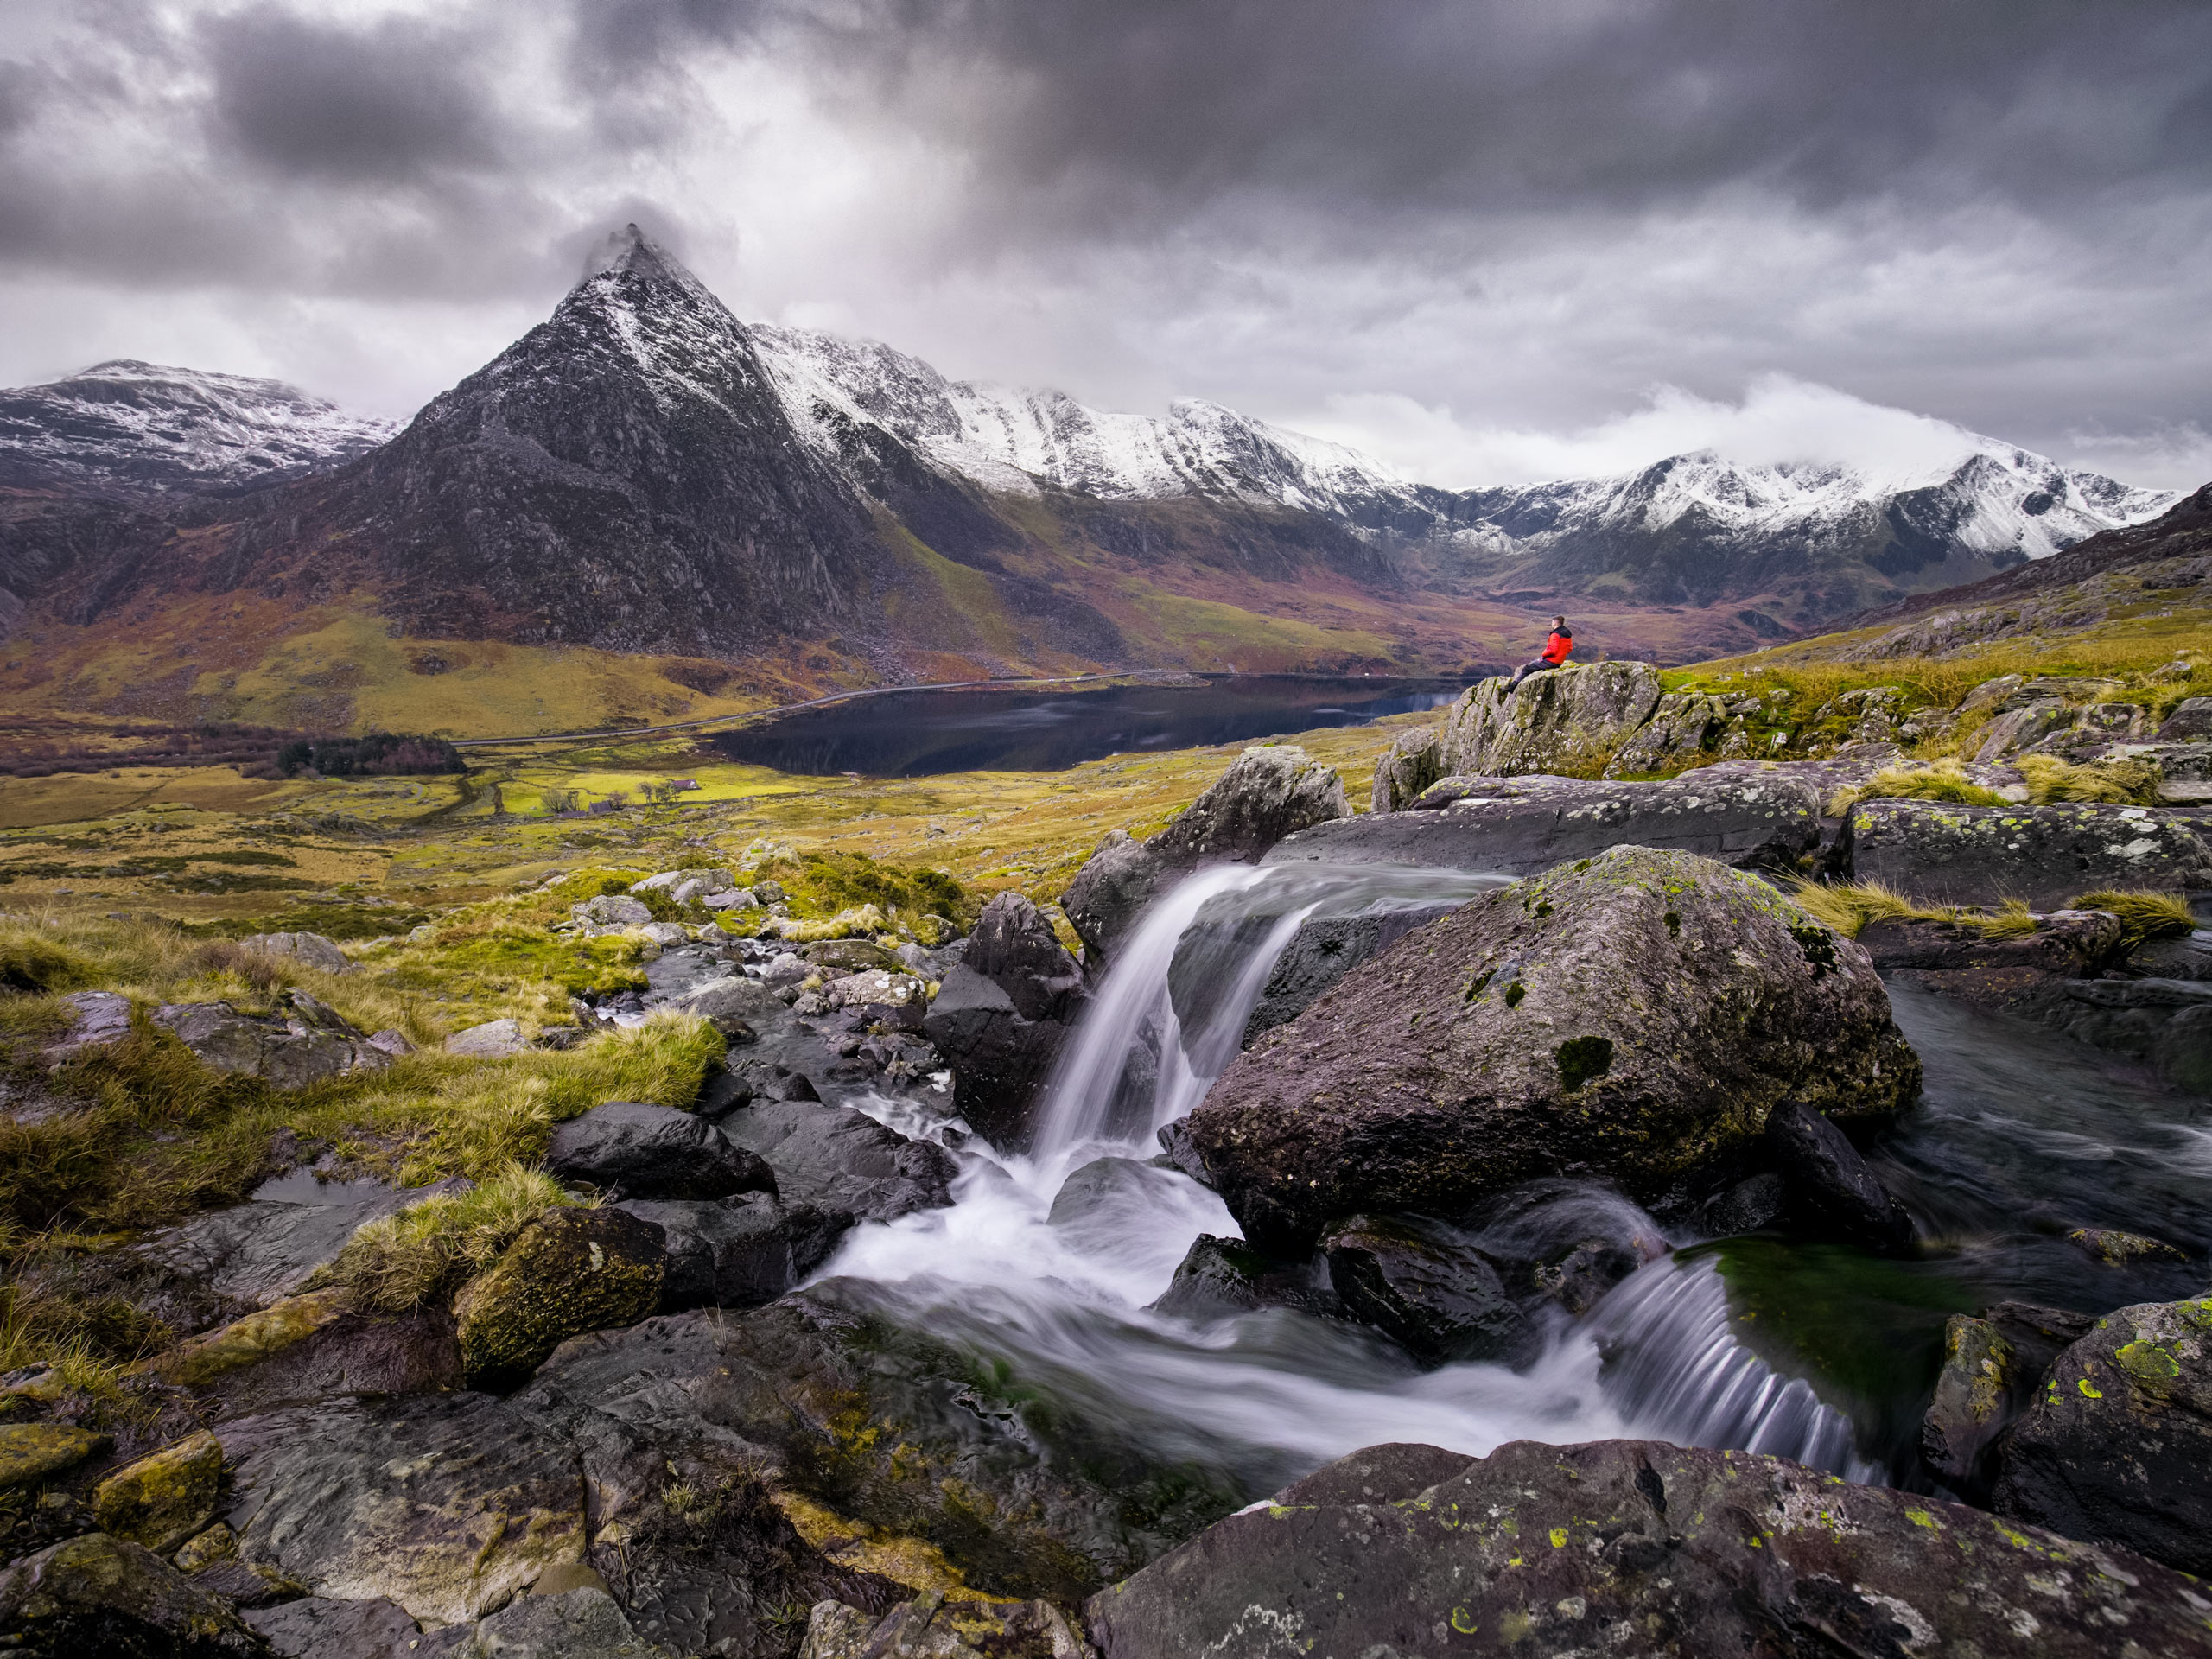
1556 652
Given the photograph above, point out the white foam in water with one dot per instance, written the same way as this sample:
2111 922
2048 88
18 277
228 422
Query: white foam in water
1277 1392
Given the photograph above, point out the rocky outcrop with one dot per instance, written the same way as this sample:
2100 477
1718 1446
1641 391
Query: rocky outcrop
900 1428
309 949
1742 814
1268 792
642 1151
1410 765
1000 1015
1629 1019
1572 719
1633 1547
2118 1447
929 1625
568 1272
1684 727
374 1628
1943 854
308 1044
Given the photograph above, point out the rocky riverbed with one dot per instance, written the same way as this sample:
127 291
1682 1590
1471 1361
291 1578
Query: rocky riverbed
1758 1209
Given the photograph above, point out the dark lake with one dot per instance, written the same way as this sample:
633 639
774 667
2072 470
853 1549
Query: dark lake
916 734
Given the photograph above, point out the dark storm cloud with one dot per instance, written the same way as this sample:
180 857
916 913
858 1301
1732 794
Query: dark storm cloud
1558 106
393 103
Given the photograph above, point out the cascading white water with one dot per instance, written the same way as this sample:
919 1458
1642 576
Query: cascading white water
1065 1297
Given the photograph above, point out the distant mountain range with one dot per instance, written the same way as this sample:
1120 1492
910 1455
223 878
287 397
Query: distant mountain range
769 508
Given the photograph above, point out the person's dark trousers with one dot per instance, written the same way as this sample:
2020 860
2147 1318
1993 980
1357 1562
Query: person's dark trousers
1539 666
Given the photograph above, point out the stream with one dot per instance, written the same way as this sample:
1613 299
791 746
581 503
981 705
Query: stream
1812 1351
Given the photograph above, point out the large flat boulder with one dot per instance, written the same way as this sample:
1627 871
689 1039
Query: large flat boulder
306 1043
1631 1019
1268 792
1945 854
1574 718
842 1161
2118 1447
644 1151
1743 814
1634 1547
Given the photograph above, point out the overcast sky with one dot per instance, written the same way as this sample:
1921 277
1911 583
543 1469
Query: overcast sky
1489 240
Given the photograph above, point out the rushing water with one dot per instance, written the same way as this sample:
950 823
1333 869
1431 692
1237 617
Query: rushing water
920 734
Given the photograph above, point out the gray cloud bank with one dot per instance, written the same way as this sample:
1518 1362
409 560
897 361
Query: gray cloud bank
1402 217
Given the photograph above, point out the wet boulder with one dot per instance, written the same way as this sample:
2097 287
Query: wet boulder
924 1433
307 1043
568 1272
654 1152
310 1347
1226 1275
1972 1398
2118 1447
1268 792
738 1252
449 1504
1629 1020
98 1595
1741 814
842 1160
1832 1191
1425 1287
1573 717
1635 1546
1945 854
1323 951
2066 944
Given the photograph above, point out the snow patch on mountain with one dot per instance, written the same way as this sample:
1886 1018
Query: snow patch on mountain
132 429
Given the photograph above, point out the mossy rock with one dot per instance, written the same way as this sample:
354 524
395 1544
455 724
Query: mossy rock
569 1272
852 956
31 1451
162 1500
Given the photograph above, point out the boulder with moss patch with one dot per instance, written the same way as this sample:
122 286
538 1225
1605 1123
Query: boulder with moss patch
305 1042
1629 1019
569 1272
1574 718
98 1595
30 1453
163 1499
2117 1447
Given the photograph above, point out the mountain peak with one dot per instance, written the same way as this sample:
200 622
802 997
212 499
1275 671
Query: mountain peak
630 252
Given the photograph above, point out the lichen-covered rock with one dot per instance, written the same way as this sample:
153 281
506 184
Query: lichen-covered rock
1940 852
1634 1547
1268 792
644 1151
163 1499
2064 942
95 1595
568 1272
309 949
1741 814
1685 726
1409 765
581 1623
449 1504
97 1020
611 912
31 1451
1972 1394
1430 1292
308 1044
914 1432
1629 1019
1574 718
489 1041
2116 1249
2118 1448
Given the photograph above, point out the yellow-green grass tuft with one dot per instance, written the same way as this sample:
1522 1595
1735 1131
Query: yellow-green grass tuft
2143 914
2130 783
397 1263
1946 780
1850 907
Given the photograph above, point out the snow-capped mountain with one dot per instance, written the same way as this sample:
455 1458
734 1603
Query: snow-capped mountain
139 430
1993 499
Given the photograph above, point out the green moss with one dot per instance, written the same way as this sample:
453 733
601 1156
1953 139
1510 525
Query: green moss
162 1500
31 1451
400 1262
1581 1059
1514 993
565 1274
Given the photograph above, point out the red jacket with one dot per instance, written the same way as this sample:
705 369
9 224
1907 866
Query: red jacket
1556 648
